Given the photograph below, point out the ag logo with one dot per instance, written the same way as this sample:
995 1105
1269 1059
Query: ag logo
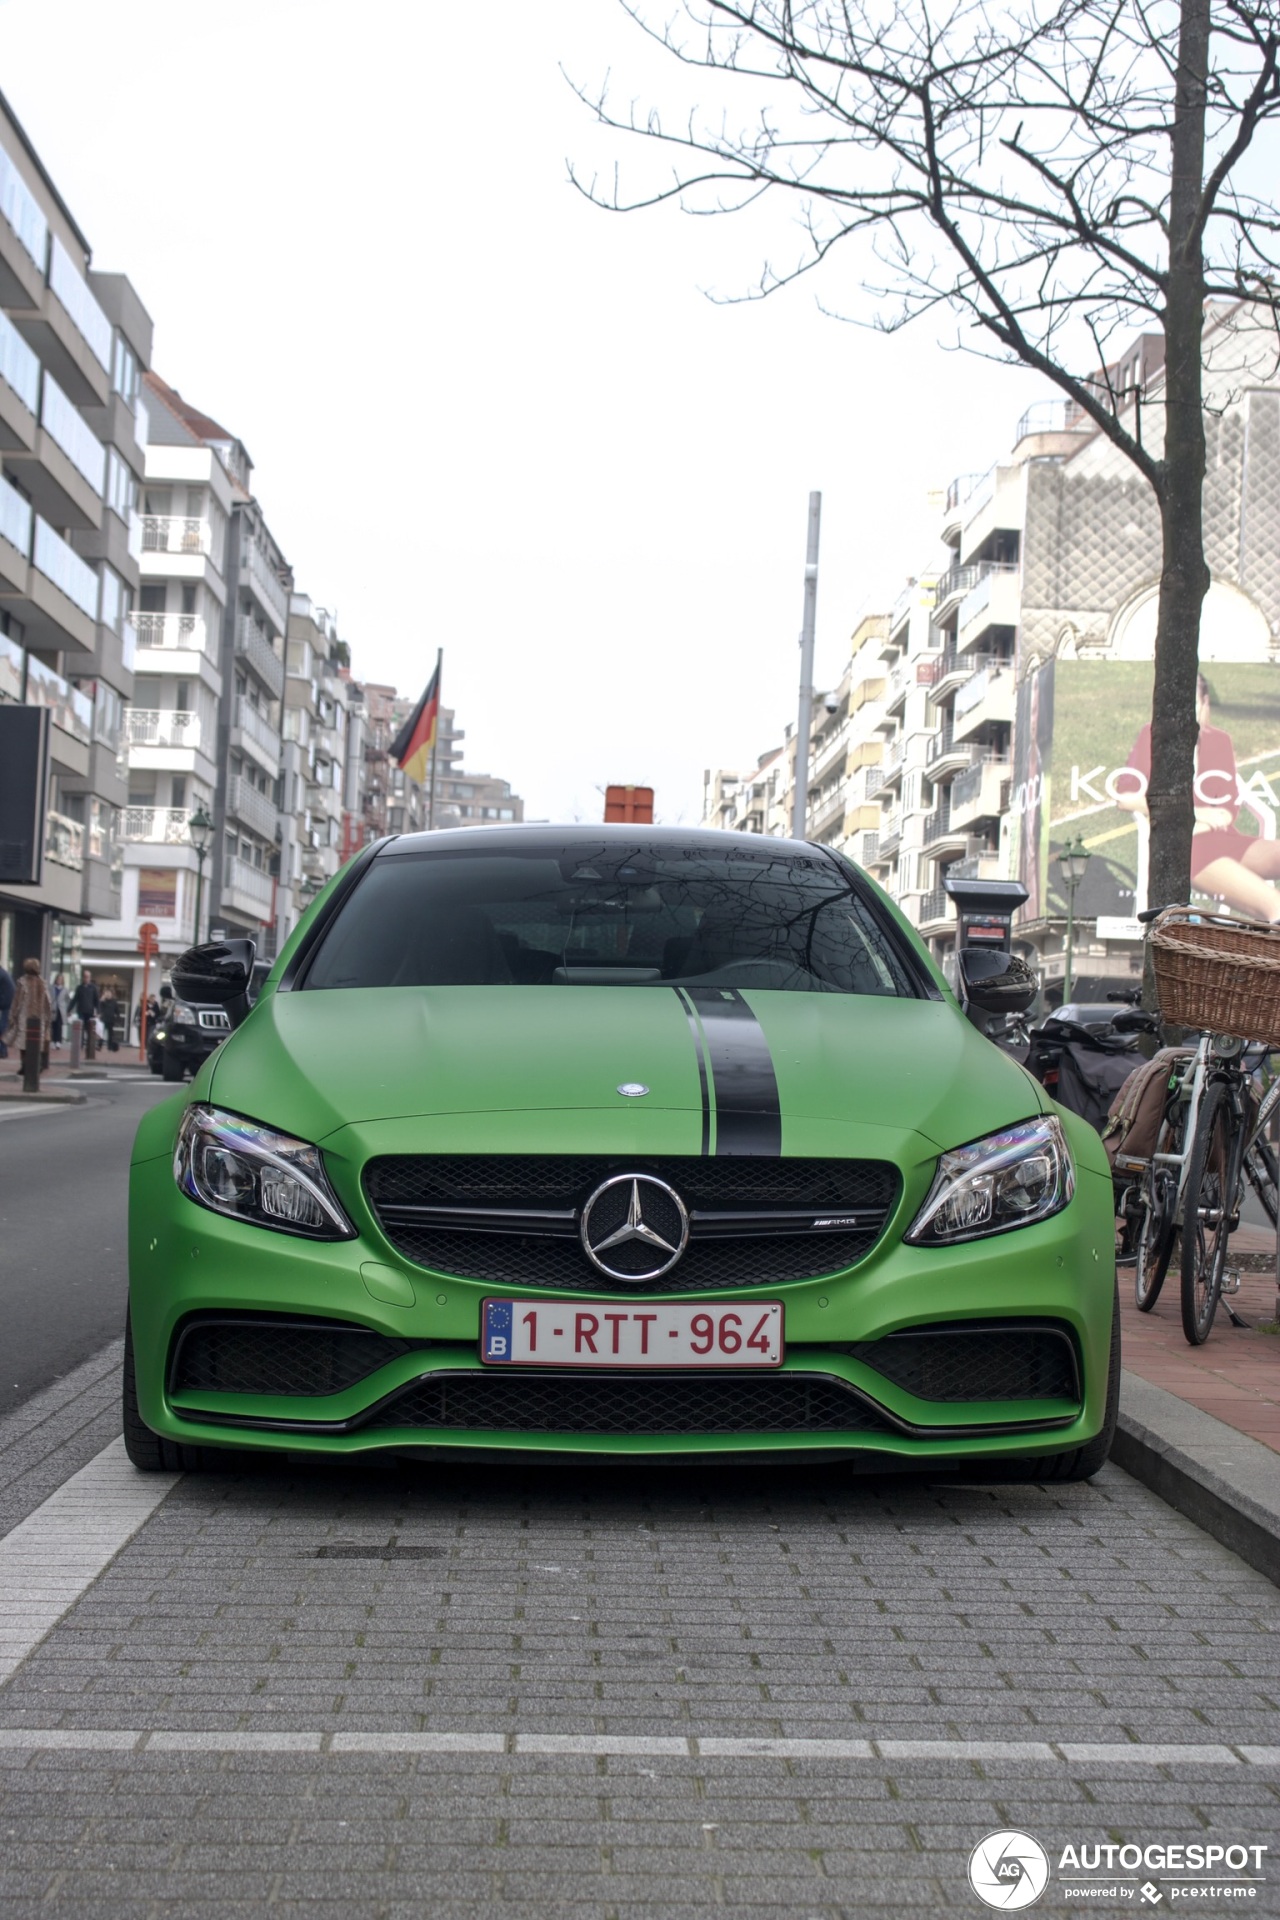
1008 1870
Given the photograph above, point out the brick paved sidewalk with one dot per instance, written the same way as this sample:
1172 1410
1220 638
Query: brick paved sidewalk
1235 1375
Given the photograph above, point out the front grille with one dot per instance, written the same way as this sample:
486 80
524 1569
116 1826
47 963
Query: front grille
977 1363
484 1403
277 1356
562 1184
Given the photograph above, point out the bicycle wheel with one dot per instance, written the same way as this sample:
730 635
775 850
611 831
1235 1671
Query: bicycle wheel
1157 1231
1264 1176
1206 1212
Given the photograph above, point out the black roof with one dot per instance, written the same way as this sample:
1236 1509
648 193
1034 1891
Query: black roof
539 834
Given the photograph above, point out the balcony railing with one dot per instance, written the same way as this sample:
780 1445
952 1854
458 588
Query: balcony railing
967 786
66 426
71 710
19 207
252 645
185 631
165 826
15 518
936 905
956 580
19 367
960 489
64 840
255 809
161 727
68 572
937 824
263 575
239 877
251 722
979 595
872 781
175 533
1052 416
90 322
976 866
976 687
942 743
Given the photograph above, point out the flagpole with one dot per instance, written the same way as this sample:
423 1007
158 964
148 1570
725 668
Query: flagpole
435 744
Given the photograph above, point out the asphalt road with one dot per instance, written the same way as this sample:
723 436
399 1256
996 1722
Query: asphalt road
63 1195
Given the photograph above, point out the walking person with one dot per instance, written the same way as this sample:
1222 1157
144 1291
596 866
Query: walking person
31 1004
109 1011
7 991
84 1007
58 994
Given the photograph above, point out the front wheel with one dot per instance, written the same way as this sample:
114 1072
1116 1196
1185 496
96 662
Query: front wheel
173 1070
149 1451
1207 1212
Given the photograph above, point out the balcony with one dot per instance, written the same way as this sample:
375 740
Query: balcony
952 587
19 367
828 813
161 727
68 707
250 889
985 699
257 573
253 809
936 907
86 316
975 794
64 841
253 647
66 427
257 735
872 782
22 212
61 564
15 527
160 826
941 834
176 533
181 632
946 753
1052 416
994 601
978 866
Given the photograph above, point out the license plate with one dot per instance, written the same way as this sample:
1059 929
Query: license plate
564 1333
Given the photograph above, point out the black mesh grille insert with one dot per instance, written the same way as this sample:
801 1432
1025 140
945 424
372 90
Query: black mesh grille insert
498 1403
988 1363
560 1182
278 1357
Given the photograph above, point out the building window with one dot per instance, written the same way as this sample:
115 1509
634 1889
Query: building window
122 488
124 370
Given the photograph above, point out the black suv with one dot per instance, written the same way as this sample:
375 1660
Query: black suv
186 1032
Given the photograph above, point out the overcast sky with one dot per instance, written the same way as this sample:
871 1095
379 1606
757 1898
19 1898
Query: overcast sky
485 415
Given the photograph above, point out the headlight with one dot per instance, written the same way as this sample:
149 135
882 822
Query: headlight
181 1012
1008 1180
247 1171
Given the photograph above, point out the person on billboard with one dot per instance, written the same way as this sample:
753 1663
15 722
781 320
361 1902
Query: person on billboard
1231 866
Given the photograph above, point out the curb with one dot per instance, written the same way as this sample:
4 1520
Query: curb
1223 1480
54 1099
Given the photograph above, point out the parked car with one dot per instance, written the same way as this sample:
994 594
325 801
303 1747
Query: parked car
186 1031
618 1141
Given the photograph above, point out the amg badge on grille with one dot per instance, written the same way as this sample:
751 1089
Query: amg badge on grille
634 1228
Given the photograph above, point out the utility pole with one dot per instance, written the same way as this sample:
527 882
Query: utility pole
800 802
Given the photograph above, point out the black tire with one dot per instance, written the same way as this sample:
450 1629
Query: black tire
1206 1212
153 1063
1156 1235
1083 1462
148 1451
173 1070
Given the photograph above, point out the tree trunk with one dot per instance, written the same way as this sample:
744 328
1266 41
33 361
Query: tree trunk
1184 578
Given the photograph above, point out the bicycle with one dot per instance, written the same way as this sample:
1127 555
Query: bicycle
1212 1137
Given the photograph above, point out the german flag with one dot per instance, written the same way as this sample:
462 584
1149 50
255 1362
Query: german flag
411 748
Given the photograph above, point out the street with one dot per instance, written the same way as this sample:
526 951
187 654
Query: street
471 1690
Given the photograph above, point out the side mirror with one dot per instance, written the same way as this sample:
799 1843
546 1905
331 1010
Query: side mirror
994 982
219 974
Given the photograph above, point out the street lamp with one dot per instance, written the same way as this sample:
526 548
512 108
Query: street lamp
200 833
1072 859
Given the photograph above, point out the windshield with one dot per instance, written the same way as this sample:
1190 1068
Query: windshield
618 915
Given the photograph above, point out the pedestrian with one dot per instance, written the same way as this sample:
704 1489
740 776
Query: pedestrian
84 1007
58 994
31 1002
7 991
109 1011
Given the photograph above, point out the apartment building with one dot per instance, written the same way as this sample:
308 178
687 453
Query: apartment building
322 746
74 343
202 826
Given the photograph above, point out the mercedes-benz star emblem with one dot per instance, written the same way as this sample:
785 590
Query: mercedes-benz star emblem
633 1089
634 1228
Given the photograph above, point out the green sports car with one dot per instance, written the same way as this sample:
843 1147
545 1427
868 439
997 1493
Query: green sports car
617 1141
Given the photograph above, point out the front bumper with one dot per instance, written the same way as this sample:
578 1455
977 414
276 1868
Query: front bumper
188 1264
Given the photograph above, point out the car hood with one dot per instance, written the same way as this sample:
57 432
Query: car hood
728 1072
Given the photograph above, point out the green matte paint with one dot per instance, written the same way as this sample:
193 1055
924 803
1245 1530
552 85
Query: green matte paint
534 1070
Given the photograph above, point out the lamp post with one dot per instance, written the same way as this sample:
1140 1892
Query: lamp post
1073 859
200 832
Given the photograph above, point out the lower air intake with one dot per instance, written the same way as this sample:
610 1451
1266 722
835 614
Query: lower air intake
277 1356
496 1403
977 1363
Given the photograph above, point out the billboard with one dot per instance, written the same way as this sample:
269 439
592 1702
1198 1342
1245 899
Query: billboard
158 892
1082 758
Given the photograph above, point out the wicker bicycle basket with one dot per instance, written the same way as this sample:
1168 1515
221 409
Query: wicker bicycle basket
1217 973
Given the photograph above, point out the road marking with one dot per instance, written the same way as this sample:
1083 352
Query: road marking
54 1556
623 1746
17 1111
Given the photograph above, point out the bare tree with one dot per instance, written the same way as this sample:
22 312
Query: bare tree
1053 177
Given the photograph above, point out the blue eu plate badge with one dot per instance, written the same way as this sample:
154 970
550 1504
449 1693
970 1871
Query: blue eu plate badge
497 1329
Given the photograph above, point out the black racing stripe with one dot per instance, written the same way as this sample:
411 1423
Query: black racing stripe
696 1031
748 1111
